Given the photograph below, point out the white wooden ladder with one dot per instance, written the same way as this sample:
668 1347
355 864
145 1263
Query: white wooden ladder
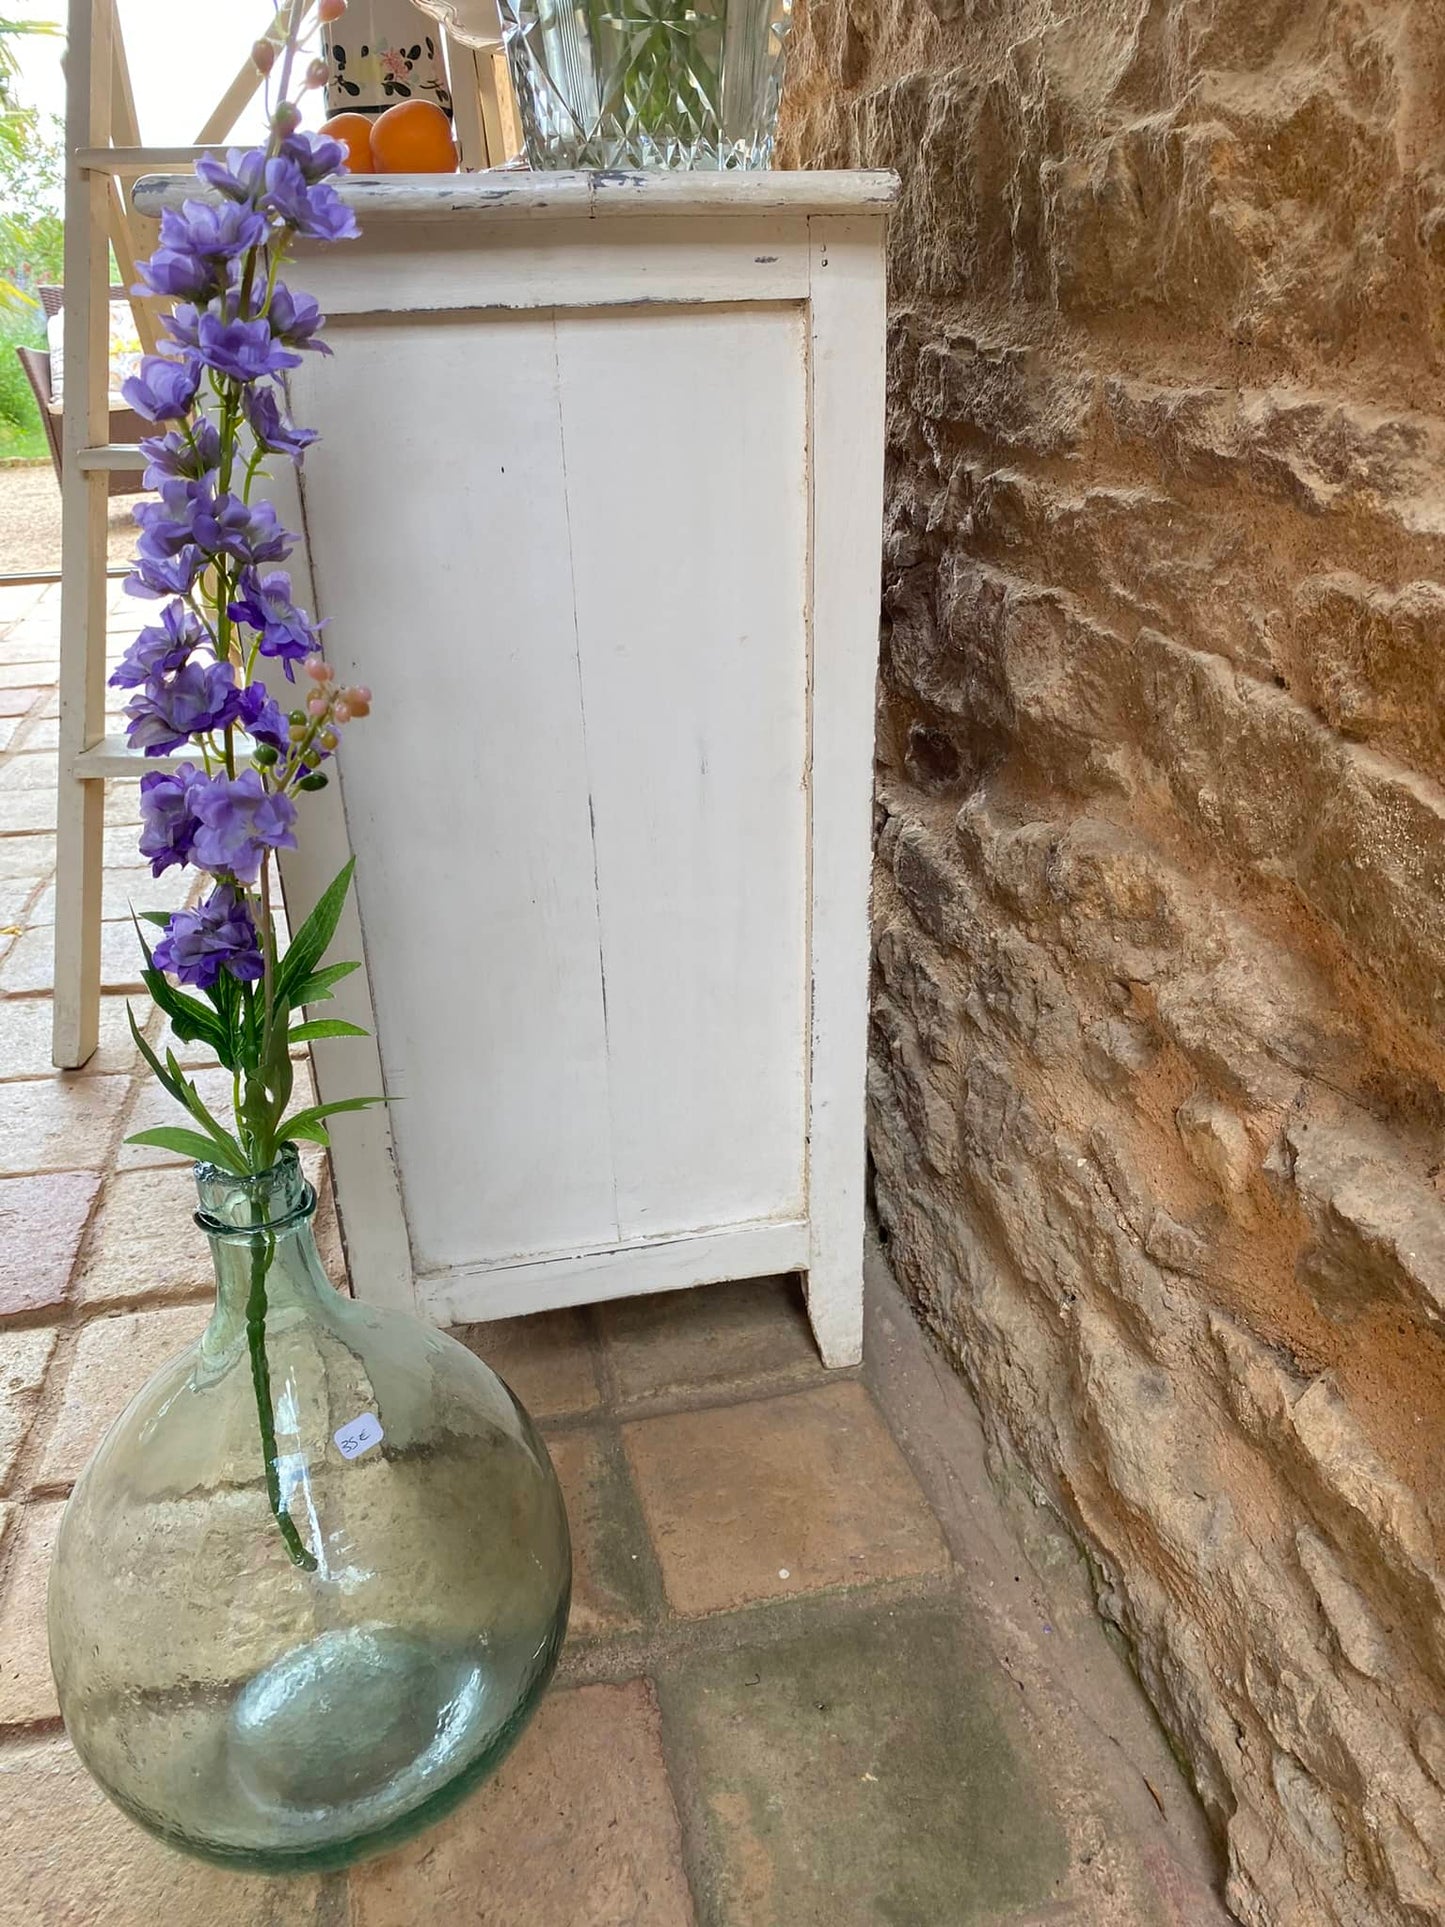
104 157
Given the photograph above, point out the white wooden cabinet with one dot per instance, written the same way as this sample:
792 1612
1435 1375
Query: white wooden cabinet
596 513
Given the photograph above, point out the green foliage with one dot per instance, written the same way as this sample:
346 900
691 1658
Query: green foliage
20 431
250 1030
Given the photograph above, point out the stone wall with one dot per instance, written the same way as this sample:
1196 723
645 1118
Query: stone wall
1157 1110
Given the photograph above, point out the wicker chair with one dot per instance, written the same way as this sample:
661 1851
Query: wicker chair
125 424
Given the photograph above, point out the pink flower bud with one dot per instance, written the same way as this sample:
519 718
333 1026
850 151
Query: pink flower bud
330 10
318 670
263 56
361 693
317 706
317 74
341 710
287 118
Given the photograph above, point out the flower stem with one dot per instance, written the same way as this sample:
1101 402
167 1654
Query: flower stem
262 1252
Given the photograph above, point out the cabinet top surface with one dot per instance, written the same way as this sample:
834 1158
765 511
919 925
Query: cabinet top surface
503 194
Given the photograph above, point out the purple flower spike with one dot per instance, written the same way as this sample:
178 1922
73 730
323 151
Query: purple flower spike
240 177
263 719
170 575
185 277
164 390
160 649
287 633
314 210
220 935
167 826
173 454
296 319
168 712
245 349
317 155
214 233
270 427
240 820
246 531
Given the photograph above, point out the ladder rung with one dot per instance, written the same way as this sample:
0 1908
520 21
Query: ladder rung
137 160
111 455
111 759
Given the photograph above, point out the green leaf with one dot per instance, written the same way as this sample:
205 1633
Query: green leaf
313 1133
162 918
190 1144
304 1119
317 987
308 946
315 1027
190 1020
164 1077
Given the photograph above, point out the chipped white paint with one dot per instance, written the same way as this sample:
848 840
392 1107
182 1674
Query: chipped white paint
596 512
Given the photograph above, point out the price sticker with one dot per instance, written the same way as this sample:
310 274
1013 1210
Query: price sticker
359 1436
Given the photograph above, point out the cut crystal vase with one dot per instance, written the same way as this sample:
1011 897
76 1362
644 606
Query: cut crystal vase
315 1579
647 83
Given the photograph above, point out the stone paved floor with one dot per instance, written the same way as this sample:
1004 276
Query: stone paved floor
821 1669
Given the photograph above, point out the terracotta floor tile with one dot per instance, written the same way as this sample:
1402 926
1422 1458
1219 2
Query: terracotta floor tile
613 1576
42 1223
27 856
24 811
25 1024
153 1105
24 1356
577 1830
113 1358
68 1858
546 1359
26 1690
750 1334
59 1123
30 965
863 1771
144 1239
779 1496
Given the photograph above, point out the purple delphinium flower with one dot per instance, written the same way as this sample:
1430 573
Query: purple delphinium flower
270 427
240 177
185 277
161 648
317 155
175 454
286 632
211 232
246 350
315 210
296 319
263 719
168 711
164 390
169 575
239 820
246 531
168 826
167 524
220 935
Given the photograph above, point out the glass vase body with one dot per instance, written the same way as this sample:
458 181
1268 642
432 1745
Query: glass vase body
647 83
247 1707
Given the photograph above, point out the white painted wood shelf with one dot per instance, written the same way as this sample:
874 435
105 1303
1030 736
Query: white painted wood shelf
597 514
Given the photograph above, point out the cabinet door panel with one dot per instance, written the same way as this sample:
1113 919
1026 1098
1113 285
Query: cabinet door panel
686 460
437 524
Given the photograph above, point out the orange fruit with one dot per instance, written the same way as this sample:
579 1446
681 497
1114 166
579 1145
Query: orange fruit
414 137
354 133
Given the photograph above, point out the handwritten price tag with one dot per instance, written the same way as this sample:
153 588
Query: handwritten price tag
359 1436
